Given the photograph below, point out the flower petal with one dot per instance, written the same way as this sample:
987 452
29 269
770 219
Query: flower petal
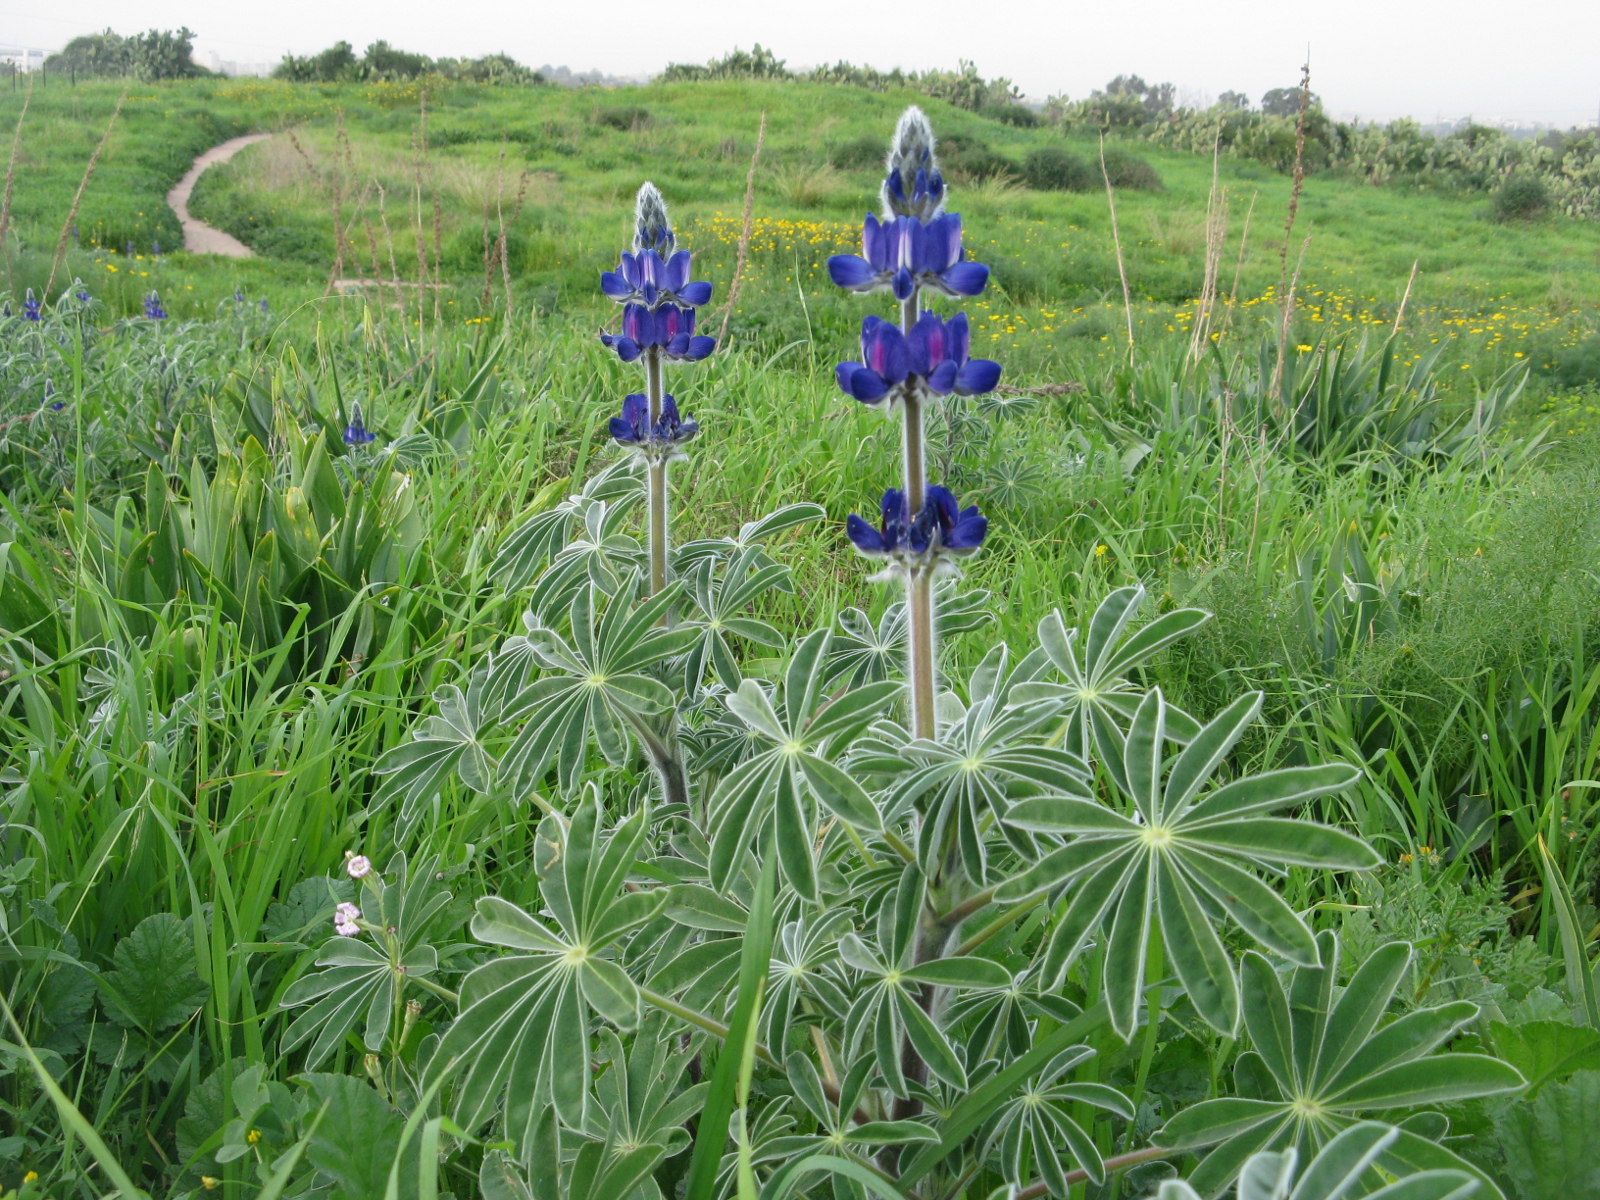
852 272
977 377
865 538
965 278
695 293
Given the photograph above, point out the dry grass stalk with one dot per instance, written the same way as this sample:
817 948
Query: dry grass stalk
1116 241
1283 327
388 238
438 207
418 228
11 177
1238 267
1284 297
1216 237
516 212
744 234
83 186
1400 316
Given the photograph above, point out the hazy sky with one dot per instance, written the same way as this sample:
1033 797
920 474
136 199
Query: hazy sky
1534 61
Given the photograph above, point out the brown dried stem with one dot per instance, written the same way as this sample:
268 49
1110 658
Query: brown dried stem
83 186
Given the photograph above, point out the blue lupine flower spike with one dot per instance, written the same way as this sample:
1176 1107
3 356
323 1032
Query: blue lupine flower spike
356 433
30 307
80 292
890 534
153 309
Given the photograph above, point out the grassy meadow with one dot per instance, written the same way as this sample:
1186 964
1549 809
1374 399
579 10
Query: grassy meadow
217 617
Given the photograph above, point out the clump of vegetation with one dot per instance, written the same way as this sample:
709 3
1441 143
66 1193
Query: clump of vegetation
154 55
382 62
1055 169
1521 198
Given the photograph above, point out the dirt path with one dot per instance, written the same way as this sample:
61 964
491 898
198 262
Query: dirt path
198 237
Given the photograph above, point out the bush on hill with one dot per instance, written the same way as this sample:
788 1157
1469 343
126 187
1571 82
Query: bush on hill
1521 198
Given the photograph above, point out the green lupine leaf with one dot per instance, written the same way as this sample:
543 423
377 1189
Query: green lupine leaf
890 1133
610 992
1206 752
959 972
1402 1041
849 712
1213 1121
1440 1079
1271 790
1255 908
840 794
929 1041
1196 952
1295 843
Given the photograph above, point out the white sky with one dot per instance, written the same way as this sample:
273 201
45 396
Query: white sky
1534 61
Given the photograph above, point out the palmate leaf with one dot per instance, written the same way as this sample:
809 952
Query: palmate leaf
545 535
364 976
595 687
782 785
752 534
1179 856
441 746
1035 1131
982 763
1342 1170
1321 1058
524 1021
1099 697
721 597
866 653
887 1011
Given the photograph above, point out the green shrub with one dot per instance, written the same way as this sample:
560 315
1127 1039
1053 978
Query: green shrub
963 155
1011 114
1053 169
626 117
859 154
1521 198
1130 171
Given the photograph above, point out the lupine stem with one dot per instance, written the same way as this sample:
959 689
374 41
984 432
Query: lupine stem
657 486
919 584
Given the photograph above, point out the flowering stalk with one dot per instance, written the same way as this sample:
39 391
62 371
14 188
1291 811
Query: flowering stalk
659 302
915 248
658 315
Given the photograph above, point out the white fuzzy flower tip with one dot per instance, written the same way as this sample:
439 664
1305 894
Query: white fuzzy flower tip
358 865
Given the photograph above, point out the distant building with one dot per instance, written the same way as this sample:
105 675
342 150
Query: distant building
22 58
232 69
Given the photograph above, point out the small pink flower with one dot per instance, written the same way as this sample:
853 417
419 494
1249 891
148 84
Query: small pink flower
358 865
345 917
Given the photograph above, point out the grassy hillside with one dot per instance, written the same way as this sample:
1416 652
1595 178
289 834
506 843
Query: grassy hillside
226 616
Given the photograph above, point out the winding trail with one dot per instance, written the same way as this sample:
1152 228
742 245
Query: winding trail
198 237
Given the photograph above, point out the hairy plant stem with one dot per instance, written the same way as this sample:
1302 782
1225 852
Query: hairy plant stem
919 584
656 495
661 747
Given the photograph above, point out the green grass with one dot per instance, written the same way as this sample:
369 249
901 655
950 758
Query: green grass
161 754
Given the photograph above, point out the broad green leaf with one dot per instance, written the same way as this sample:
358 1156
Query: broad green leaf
960 972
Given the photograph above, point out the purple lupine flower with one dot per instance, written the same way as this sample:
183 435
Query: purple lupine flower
940 355
961 530
153 309
264 304
646 278
356 433
675 332
633 429
892 531
941 529
30 307
902 254
886 260
79 291
49 391
155 249
886 363
238 295
668 326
